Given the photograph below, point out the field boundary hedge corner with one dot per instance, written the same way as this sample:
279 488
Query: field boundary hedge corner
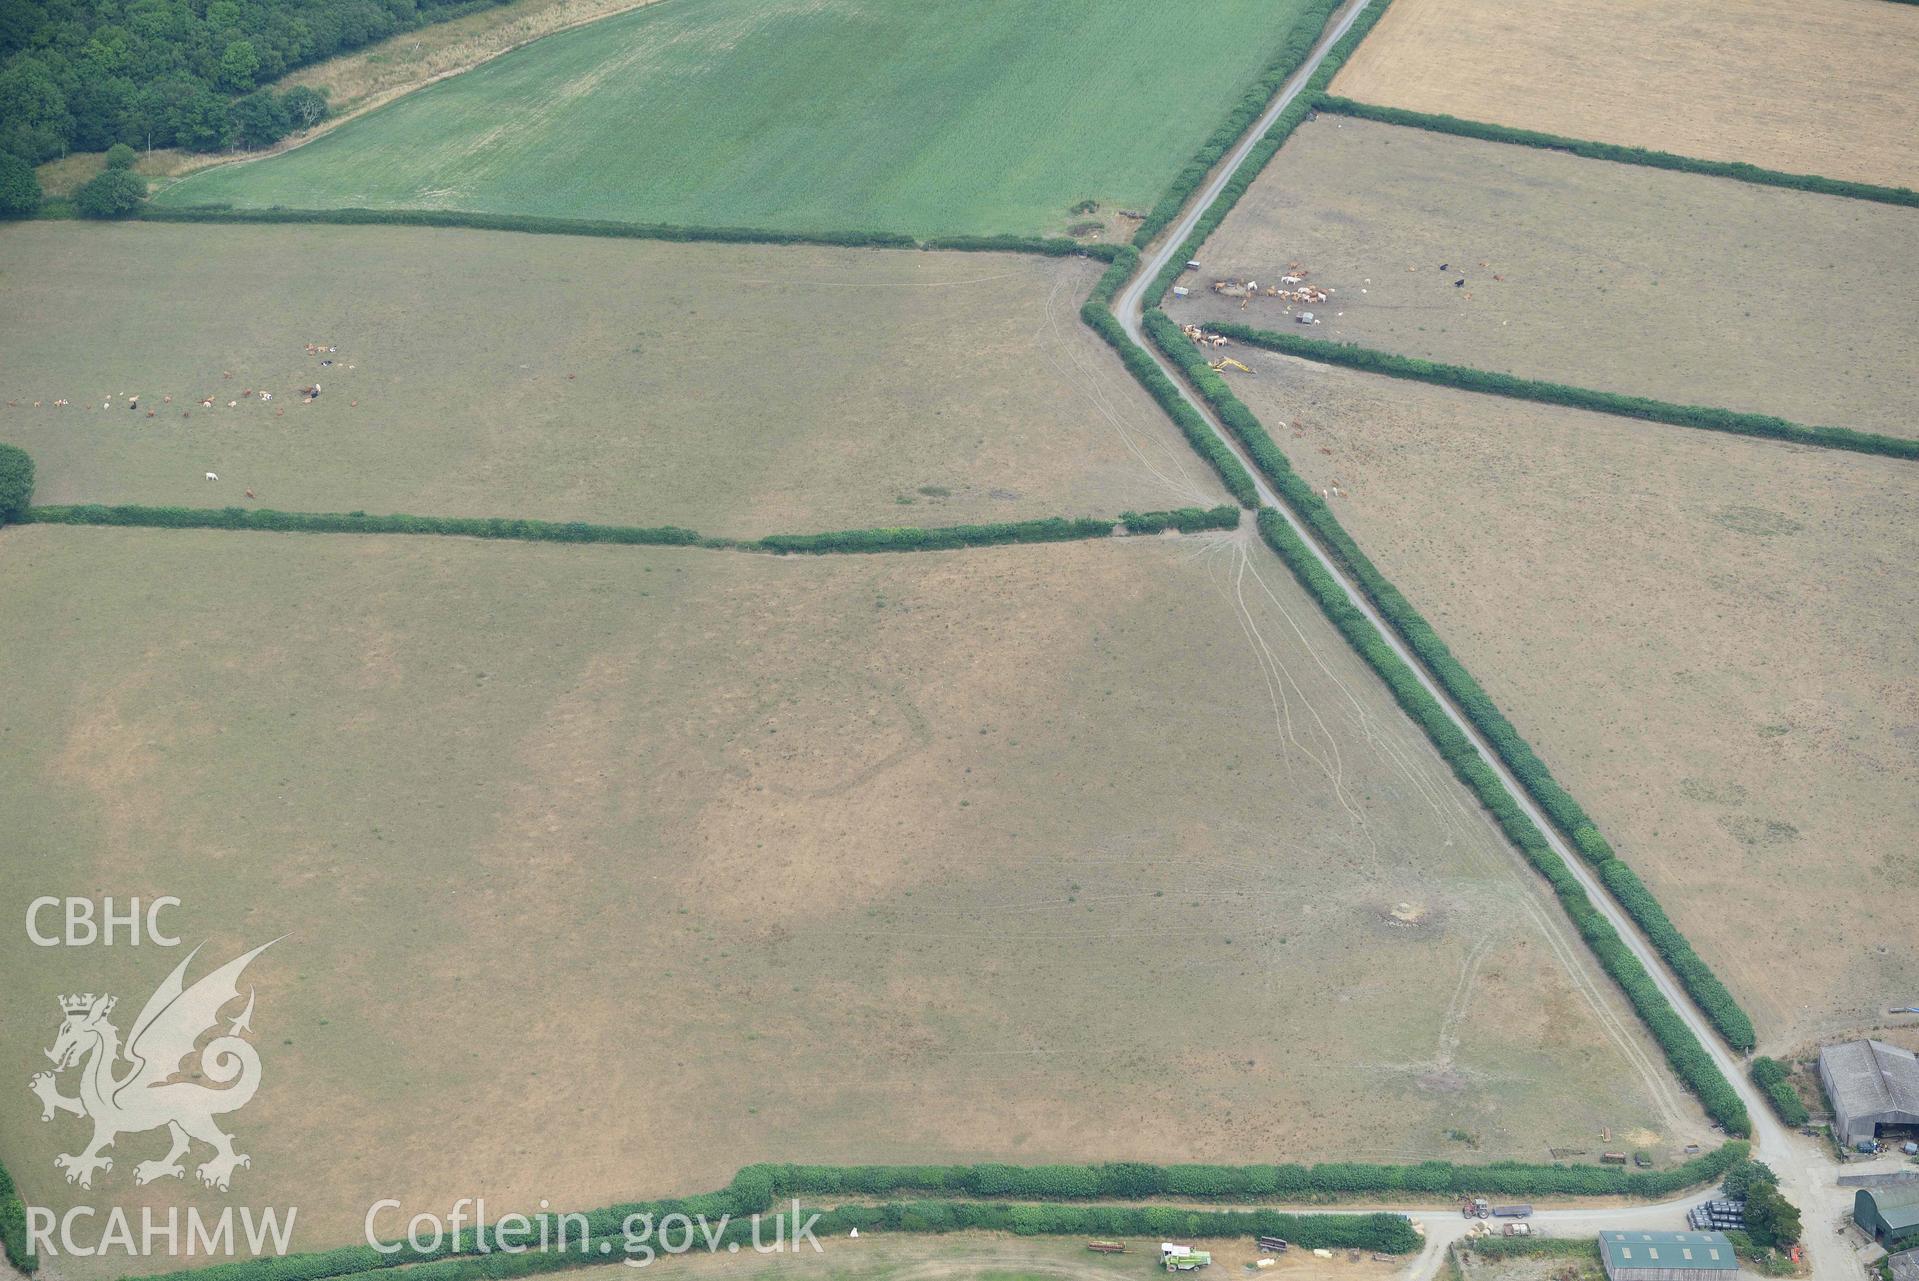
1097 314
16 483
1268 147
1466 378
1300 39
1738 170
1700 983
1689 1060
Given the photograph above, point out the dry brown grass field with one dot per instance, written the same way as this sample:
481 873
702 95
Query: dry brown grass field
1827 87
1697 290
1710 640
608 870
737 390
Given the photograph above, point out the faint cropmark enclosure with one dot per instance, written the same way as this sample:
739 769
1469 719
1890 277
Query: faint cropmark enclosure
146 1096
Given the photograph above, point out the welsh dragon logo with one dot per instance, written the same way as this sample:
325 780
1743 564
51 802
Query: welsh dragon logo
152 1092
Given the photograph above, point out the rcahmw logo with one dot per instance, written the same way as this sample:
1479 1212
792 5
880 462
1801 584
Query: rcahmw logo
130 1087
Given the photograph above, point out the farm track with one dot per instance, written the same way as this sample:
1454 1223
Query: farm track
1803 1171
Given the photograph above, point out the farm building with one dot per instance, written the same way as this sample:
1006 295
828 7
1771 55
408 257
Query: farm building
1873 1086
1667 1256
1889 1216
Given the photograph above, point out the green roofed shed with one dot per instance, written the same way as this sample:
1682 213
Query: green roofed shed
1889 1215
1667 1256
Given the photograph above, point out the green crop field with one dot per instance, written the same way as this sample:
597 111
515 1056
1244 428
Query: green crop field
968 116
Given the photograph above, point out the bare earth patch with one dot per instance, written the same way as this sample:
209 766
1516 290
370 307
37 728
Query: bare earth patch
683 860
1721 82
1701 291
1710 640
739 390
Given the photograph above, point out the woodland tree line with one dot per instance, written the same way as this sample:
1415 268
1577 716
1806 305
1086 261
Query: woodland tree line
80 75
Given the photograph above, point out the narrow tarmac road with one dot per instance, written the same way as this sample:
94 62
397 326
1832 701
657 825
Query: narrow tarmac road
1807 1174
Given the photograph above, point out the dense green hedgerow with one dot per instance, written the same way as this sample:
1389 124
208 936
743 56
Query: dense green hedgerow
16 483
757 1189
1770 1076
1631 893
1097 314
1690 1061
1232 473
1392 1233
1565 813
1238 420
1053 246
1051 530
1125 261
1135 1180
1299 43
1268 146
1623 155
1605 402
264 518
13 1219
1188 520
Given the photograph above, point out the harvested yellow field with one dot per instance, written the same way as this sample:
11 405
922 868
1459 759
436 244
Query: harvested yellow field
1828 87
1710 641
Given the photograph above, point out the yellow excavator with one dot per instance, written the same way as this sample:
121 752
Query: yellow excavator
1221 366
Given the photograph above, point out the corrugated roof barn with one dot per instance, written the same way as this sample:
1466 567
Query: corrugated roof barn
1871 1084
1667 1256
1889 1215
